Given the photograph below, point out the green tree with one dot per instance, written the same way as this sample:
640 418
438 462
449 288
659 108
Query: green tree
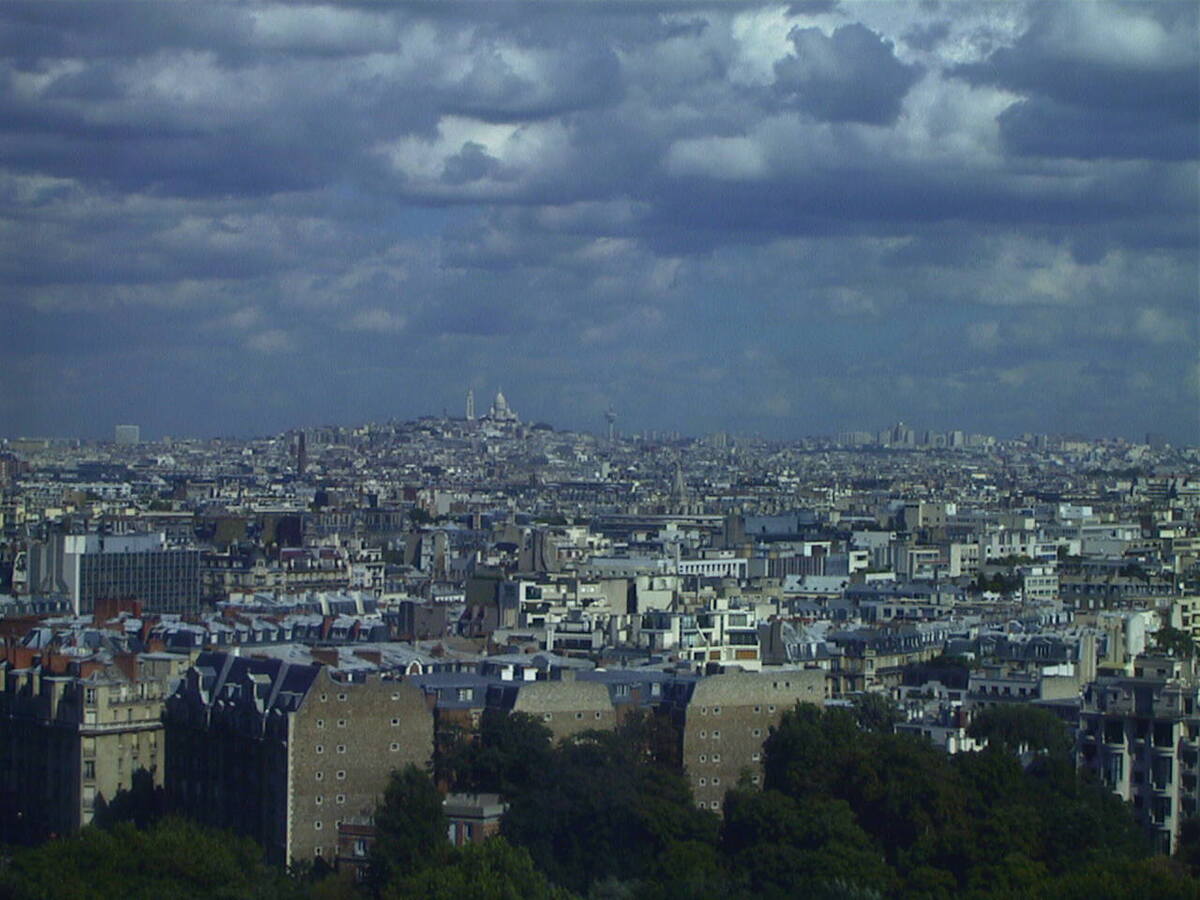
411 828
173 858
510 753
875 712
493 870
1020 726
1174 642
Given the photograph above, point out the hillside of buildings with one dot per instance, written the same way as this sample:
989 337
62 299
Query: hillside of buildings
895 663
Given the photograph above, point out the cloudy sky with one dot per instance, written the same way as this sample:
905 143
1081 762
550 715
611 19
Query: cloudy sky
783 219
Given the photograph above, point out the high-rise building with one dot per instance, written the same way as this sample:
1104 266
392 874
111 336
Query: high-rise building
86 568
470 405
301 455
127 435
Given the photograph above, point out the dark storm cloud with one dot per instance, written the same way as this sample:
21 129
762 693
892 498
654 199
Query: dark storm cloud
1124 88
850 76
633 204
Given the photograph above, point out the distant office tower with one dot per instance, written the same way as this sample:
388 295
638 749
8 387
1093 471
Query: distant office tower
86 568
611 418
127 435
301 455
470 405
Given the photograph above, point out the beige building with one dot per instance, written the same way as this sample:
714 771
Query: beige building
723 721
74 731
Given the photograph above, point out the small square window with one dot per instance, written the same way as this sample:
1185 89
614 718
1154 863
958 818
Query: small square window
757 732
317 826
396 696
341 696
320 723
716 780
716 757
394 747
341 775
716 710
340 798
597 714
341 723
579 715
341 748
319 799
703 782
320 748
703 757
324 697
395 723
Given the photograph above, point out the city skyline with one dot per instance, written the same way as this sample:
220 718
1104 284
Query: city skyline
783 220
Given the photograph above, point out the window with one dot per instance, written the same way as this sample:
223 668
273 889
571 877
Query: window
394 747
597 714
341 723
340 798
546 717
395 723
320 723
716 710
703 734
317 826
716 757
319 799
324 697
320 748
757 732
342 697
716 735
341 775
703 782
716 780
396 696
758 709
703 757
755 757
341 748
320 776
89 768
579 715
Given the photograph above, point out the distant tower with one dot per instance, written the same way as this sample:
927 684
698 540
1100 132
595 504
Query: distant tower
470 405
611 418
678 490
301 455
127 435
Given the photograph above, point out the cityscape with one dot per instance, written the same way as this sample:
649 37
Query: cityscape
260 632
600 451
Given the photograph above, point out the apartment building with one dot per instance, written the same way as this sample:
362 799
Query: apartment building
74 731
1141 734
286 753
